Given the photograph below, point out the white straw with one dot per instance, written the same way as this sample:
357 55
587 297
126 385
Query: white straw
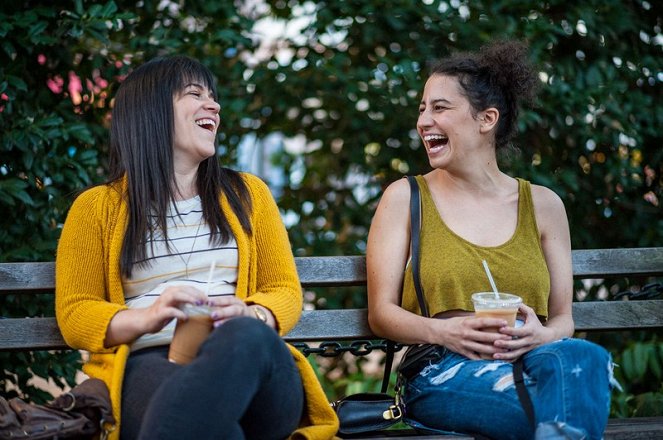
490 278
212 266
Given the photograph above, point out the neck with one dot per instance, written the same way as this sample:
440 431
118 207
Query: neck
185 186
477 181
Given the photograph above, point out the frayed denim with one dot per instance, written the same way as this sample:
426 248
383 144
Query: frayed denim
569 382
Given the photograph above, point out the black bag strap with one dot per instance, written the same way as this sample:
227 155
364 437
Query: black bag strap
415 232
388 362
523 395
415 229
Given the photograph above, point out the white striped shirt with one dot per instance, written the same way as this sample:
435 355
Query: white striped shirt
188 262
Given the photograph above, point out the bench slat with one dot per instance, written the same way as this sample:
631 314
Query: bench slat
349 324
351 270
30 334
600 263
27 277
636 428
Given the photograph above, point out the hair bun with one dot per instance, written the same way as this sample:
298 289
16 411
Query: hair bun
508 66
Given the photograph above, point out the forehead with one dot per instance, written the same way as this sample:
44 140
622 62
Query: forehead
441 87
188 77
189 80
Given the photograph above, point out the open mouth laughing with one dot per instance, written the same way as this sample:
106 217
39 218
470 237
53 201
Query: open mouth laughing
207 124
436 142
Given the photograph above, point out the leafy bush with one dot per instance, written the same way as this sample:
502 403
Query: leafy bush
639 371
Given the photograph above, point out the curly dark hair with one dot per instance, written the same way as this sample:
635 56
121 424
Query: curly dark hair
499 75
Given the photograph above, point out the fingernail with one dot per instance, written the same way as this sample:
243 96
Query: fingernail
214 315
199 302
217 323
210 303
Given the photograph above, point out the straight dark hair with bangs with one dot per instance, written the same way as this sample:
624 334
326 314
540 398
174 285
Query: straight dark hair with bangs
141 150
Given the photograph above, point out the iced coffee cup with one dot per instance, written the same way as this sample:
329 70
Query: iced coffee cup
190 334
500 306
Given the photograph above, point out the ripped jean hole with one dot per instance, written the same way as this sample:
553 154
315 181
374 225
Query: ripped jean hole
446 375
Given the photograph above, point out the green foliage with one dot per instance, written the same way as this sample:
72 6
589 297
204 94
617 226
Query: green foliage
593 137
640 372
347 80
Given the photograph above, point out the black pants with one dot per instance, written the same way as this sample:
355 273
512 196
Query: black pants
243 384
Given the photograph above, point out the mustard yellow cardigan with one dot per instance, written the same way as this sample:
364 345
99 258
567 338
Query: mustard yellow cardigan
89 287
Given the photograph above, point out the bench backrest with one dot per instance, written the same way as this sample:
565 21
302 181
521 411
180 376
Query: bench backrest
347 324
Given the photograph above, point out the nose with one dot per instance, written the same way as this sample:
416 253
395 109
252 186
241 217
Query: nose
424 120
212 105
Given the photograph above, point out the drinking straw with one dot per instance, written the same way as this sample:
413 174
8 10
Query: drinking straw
212 266
490 278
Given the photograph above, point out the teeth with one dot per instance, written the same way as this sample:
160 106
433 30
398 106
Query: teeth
202 122
434 137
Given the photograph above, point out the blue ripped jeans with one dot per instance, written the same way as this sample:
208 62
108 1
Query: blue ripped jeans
569 381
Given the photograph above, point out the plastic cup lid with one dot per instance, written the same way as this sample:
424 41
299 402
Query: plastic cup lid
193 310
488 300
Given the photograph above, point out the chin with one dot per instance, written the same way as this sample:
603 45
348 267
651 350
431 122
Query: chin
207 152
437 162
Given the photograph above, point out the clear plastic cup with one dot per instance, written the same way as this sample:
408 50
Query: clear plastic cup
503 306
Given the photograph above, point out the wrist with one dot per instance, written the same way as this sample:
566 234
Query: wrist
262 314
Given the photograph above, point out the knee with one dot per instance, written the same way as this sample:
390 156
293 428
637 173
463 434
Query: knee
249 330
590 351
243 335
573 351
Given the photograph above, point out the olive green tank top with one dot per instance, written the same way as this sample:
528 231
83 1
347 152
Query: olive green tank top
451 268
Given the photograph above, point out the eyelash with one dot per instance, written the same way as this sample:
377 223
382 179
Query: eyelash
437 108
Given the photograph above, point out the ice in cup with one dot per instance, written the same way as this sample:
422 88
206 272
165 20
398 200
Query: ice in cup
500 306
190 334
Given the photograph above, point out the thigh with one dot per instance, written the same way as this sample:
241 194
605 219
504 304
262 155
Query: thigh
145 371
275 410
466 396
563 367
242 384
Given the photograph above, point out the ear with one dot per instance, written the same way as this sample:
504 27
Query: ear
488 119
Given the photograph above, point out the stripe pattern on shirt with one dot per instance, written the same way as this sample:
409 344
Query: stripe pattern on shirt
186 259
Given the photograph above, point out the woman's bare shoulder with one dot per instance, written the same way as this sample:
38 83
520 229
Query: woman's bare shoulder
545 198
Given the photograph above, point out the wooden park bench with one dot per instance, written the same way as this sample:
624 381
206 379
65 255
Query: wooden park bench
332 326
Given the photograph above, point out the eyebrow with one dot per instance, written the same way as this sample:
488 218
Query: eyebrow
200 86
435 101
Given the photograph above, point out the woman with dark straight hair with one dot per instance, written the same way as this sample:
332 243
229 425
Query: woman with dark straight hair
173 232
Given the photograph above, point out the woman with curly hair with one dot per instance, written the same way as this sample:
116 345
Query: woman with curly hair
472 211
